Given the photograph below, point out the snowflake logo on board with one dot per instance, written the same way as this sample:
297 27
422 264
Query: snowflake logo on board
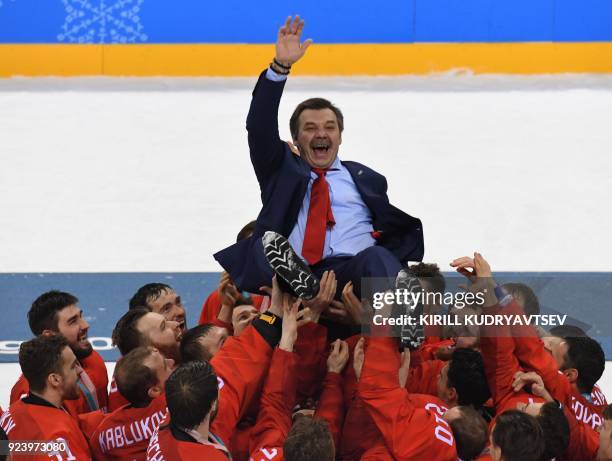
102 21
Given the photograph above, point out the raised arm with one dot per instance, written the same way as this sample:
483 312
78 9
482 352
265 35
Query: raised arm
242 364
265 145
496 342
331 404
279 393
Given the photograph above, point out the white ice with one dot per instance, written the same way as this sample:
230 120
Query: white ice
154 174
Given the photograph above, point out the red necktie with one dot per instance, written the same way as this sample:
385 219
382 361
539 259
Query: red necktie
319 217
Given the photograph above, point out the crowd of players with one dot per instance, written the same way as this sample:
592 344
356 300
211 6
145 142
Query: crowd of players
263 378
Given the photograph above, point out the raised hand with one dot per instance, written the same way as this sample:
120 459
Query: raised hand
289 50
228 293
353 304
290 323
472 268
338 357
404 368
327 291
478 271
359 357
521 379
276 297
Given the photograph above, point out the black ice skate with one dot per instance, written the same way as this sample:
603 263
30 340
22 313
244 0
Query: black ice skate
411 336
288 266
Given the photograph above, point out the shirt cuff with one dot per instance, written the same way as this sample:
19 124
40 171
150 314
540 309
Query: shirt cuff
271 75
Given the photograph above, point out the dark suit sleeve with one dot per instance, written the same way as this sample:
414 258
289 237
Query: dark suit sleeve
265 145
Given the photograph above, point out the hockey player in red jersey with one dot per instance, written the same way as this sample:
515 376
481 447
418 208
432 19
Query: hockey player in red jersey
161 299
565 438
195 428
192 398
569 371
415 427
279 395
572 385
124 434
52 370
141 327
58 312
274 422
461 381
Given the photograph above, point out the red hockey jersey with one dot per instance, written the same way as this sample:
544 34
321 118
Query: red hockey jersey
501 364
115 399
36 419
163 446
500 353
241 366
530 351
95 369
411 424
277 402
125 433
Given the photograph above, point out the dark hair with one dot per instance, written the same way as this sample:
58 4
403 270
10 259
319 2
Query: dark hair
466 373
585 355
555 429
519 436
246 231
39 357
530 303
566 331
43 313
308 439
134 378
191 349
191 391
125 334
147 293
470 432
313 104
431 274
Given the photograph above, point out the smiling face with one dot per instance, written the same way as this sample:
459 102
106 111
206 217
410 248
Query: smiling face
319 137
72 325
169 305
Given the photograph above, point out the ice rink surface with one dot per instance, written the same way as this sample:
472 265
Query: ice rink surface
154 174
140 175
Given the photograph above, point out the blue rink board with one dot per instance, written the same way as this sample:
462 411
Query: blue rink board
339 21
585 297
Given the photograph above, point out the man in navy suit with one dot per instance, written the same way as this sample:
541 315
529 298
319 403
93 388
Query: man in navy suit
364 235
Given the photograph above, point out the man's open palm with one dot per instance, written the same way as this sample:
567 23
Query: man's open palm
288 47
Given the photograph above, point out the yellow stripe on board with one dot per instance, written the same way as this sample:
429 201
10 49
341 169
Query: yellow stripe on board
349 59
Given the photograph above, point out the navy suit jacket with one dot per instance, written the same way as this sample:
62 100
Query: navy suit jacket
283 179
